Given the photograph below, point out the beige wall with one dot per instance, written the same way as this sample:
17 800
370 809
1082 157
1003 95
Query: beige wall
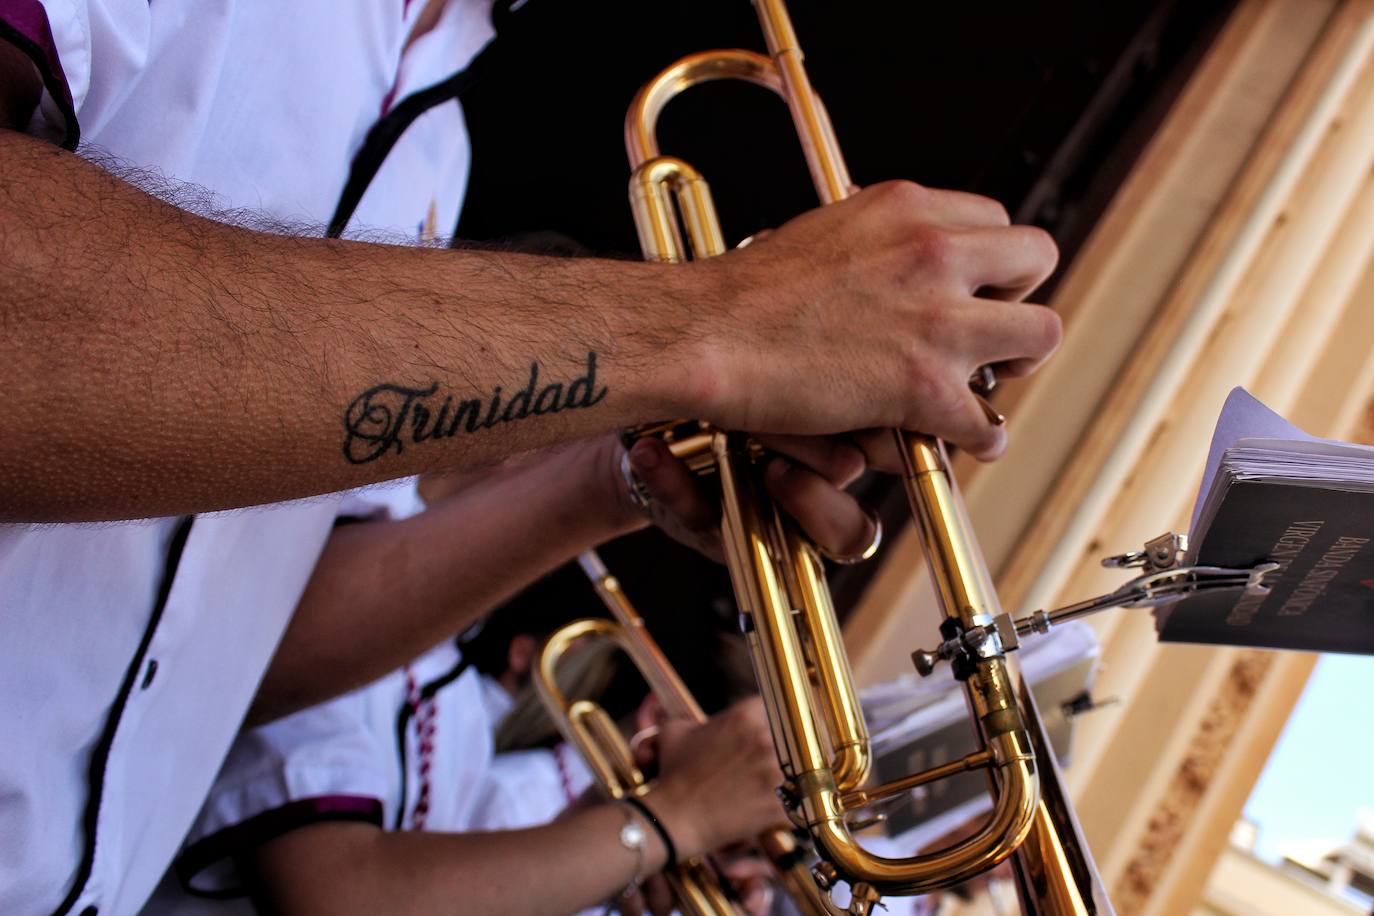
1238 253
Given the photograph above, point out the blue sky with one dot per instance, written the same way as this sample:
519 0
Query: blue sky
1322 770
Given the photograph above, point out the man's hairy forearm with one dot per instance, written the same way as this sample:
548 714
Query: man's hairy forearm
157 362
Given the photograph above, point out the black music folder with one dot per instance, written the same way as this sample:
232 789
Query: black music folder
1273 493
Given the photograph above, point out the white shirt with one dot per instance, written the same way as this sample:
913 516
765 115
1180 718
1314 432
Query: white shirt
525 788
105 694
344 760
529 788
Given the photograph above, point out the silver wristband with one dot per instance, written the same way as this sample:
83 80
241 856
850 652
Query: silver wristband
633 837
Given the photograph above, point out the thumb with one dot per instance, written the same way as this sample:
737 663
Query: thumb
671 484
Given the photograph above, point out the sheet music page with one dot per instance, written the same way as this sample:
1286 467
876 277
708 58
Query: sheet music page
1243 416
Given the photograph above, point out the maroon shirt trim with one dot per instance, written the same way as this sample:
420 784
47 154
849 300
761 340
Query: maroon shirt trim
24 24
243 838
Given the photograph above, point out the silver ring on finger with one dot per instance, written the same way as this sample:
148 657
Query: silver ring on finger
634 486
867 553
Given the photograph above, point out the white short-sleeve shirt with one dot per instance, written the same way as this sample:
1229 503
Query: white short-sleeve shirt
130 652
529 788
358 757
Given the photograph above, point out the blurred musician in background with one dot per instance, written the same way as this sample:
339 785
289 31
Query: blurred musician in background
444 784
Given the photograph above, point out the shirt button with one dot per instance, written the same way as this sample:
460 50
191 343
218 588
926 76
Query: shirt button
147 682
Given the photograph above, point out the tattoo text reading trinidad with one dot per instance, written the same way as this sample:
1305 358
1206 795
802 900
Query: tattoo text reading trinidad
385 417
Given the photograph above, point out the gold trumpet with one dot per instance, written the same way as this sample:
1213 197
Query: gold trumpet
779 580
698 889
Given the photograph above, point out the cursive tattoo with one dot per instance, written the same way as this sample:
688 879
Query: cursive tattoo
387 416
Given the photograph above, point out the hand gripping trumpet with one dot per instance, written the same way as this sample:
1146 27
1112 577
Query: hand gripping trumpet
779 580
697 888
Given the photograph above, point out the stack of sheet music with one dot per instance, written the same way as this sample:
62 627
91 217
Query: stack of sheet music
1271 492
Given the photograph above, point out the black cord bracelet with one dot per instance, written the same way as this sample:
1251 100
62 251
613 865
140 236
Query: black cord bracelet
658 826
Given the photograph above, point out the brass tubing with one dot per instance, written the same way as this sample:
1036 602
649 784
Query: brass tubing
799 884
783 74
1014 807
1054 868
861 797
662 677
778 845
698 893
641 123
807 763
750 532
999 837
769 570
577 719
588 720
838 702
695 452
614 770
1043 873
822 150
660 236
586 726
654 177
956 564
654 185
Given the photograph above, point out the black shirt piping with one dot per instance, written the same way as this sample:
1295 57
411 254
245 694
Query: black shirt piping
403 717
100 757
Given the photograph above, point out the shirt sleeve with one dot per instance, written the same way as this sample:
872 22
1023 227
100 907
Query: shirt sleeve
393 499
321 764
524 789
69 42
